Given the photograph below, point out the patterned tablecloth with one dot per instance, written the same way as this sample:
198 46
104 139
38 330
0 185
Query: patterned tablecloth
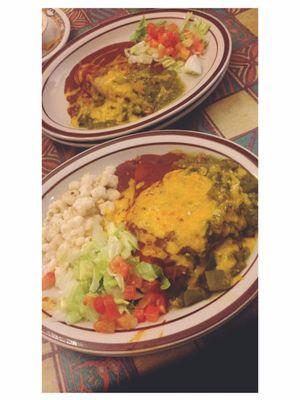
231 112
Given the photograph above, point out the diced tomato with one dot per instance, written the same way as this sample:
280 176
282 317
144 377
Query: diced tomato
105 326
172 27
152 30
173 38
99 305
184 53
153 43
129 292
151 313
170 51
88 300
161 303
178 47
150 286
149 298
161 29
119 266
111 309
157 299
198 46
163 38
134 280
139 314
48 280
127 321
161 51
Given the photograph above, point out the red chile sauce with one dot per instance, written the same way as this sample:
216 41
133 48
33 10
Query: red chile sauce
93 64
148 168
94 61
151 168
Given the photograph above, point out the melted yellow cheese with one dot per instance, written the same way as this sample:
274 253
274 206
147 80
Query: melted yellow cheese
177 209
122 205
224 255
114 85
250 243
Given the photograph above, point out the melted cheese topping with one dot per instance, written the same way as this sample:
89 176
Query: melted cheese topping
224 255
177 209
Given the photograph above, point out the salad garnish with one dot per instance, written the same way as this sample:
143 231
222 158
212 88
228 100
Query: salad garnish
175 47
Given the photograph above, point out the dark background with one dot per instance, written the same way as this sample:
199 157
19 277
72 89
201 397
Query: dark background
228 363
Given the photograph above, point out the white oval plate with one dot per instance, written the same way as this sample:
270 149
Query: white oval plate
56 120
177 326
56 32
161 125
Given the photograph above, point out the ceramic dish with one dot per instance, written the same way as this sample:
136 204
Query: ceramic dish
56 31
177 326
110 37
161 125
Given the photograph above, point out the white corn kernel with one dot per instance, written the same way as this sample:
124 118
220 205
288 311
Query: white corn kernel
107 207
70 196
110 170
113 181
99 193
113 194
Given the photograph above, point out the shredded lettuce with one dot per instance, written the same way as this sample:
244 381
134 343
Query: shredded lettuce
150 272
146 271
88 272
109 283
140 31
171 64
164 281
200 27
186 21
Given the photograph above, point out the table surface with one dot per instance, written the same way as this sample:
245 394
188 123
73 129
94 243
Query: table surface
230 112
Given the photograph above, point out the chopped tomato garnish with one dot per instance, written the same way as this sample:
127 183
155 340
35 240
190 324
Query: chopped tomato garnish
153 43
161 303
134 280
129 292
149 298
158 299
139 314
48 280
98 304
161 51
184 53
88 300
198 46
173 38
119 266
111 309
127 321
151 313
170 51
153 286
152 30
172 27
161 29
105 326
